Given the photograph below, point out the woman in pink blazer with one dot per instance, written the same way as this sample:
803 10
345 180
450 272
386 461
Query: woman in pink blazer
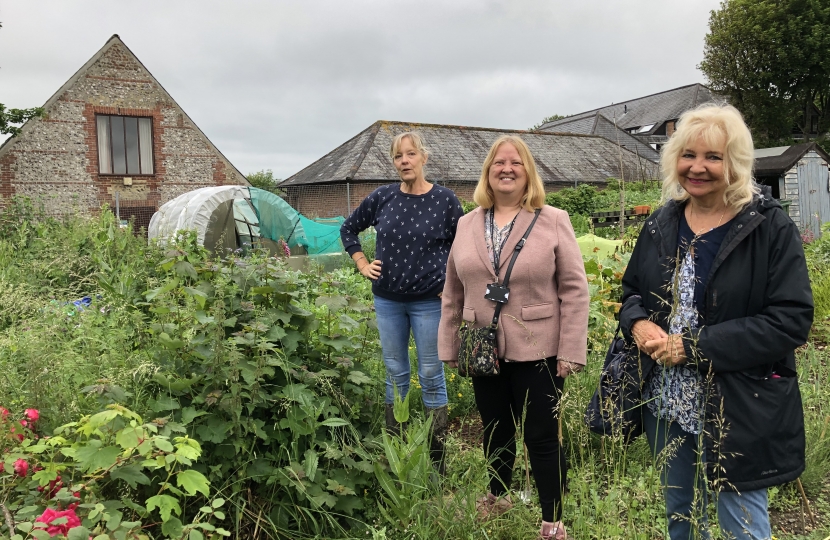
543 328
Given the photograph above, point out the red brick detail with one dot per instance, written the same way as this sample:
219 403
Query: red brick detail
107 183
6 178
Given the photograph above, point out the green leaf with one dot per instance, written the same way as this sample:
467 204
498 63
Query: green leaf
348 323
203 318
276 333
310 464
218 502
291 340
92 458
214 431
164 403
358 377
169 342
149 295
336 341
191 413
334 422
334 303
165 504
131 474
40 534
104 417
163 444
172 528
129 437
263 290
197 295
193 481
184 268
78 533
196 534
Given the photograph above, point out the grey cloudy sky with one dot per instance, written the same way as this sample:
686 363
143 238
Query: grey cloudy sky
278 84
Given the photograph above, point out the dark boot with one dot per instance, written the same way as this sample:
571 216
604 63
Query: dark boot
438 434
393 427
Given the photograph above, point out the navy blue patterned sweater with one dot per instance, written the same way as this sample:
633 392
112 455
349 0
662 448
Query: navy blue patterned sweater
414 235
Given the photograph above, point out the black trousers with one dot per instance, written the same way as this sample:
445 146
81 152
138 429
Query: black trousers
525 395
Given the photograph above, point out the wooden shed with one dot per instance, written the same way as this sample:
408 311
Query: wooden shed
798 174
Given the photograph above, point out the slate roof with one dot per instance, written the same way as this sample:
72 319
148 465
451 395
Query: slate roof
653 109
597 124
777 161
457 153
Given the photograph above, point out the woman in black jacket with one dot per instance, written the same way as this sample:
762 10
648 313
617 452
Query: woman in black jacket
717 298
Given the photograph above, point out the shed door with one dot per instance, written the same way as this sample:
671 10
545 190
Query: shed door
814 192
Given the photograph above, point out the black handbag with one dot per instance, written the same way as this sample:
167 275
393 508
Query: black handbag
478 354
616 406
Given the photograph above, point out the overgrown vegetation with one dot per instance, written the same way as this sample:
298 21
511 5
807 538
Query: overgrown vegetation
196 397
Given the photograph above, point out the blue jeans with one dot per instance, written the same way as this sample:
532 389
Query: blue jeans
742 516
395 320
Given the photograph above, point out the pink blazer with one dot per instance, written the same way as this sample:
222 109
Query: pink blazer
547 311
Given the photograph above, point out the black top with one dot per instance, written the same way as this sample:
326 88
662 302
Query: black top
414 235
705 248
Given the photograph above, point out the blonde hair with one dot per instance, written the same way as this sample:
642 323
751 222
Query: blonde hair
534 191
716 124
415 139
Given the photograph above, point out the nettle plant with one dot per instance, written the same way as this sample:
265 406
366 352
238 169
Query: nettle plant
108 476
266 368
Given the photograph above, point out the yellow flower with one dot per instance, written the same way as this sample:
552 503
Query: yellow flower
460 394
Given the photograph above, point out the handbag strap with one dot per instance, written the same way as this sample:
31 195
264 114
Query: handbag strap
516 250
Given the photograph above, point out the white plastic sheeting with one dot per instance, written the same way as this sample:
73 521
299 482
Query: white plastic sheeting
192 211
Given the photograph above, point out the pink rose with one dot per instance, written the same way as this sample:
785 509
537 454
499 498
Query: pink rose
21 467
50 515
32 414
4 413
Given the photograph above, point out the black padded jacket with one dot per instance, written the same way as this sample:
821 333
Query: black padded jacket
758 310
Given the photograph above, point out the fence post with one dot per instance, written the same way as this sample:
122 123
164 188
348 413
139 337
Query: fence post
118 207
348 200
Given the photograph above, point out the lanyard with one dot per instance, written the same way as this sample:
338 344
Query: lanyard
497 248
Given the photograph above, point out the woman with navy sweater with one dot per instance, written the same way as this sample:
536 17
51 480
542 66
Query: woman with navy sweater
415 223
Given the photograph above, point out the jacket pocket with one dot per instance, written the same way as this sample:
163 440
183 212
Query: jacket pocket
537 311
469 314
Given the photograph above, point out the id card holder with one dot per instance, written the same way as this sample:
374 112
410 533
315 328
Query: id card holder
497 293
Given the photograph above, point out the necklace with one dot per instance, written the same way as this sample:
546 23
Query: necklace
691 214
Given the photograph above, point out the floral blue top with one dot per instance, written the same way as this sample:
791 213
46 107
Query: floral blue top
676 393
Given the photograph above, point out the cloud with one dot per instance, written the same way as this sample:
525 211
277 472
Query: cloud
277 84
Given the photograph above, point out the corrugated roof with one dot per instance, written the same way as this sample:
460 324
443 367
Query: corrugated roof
653 109
781 162
457 153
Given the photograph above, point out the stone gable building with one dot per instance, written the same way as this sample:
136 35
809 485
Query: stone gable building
111 135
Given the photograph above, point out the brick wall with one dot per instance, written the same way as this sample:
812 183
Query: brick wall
330 200
55 159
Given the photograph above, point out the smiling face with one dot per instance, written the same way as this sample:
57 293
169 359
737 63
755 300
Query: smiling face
409 161
507 176
700 170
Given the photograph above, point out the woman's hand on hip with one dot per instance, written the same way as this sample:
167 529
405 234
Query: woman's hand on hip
371 270
668 350
645 331
565 368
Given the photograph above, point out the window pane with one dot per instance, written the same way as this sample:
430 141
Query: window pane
131 137
145 145
119 158
104 149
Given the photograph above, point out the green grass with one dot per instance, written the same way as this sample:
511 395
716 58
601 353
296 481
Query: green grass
68 363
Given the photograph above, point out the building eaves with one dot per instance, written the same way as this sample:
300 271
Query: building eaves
778 165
